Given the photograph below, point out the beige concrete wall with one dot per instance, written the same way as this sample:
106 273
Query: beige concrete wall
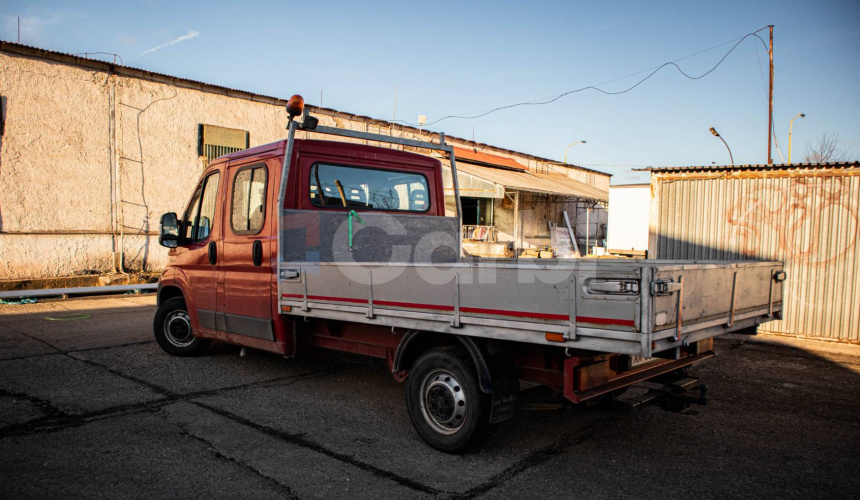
55 148
71 134
55 171
90 160
157 149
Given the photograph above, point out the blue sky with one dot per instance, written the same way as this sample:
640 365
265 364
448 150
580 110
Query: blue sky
460 57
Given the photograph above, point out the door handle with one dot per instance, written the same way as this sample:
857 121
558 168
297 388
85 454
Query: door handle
290 274
257 252
213 253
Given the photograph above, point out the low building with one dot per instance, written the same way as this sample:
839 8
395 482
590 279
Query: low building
806 215
506 206
92 153
628 220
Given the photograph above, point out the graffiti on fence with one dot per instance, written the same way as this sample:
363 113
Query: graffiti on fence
814 219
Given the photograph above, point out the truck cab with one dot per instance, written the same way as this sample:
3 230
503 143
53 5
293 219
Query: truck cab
223 261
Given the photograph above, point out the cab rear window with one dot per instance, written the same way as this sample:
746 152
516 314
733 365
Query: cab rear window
339 186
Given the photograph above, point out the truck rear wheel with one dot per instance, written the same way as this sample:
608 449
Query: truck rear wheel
445 401
172 327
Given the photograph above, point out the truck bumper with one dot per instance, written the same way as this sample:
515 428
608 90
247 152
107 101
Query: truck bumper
672 392
574 372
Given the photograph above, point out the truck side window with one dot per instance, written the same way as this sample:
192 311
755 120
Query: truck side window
248 211
337 186
201 211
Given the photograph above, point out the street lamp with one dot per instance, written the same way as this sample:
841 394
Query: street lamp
568 147
717 134
791 124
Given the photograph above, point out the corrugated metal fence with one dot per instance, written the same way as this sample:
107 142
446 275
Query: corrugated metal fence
808 217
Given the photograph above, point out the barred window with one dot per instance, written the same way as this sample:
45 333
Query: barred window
214 142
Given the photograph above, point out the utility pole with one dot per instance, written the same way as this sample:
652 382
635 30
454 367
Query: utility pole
770 101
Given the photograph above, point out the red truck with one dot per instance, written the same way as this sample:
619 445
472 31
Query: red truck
307 243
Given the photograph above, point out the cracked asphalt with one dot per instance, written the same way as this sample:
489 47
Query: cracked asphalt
91 407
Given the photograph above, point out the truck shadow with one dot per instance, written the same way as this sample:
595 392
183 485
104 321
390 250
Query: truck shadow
758 391
782 416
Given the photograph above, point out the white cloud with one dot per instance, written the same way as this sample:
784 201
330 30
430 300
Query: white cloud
188 36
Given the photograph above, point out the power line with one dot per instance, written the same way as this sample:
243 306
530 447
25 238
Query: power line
115 56
538 101
761 72
655 70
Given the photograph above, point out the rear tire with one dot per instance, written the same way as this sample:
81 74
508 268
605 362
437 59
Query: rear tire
172 328
445 401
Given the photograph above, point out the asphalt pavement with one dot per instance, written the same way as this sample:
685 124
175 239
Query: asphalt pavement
90 406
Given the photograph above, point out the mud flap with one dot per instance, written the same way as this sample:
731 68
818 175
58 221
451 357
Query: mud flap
506 385
504 404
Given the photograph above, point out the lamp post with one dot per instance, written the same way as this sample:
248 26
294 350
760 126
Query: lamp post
568 147
717 134
791 124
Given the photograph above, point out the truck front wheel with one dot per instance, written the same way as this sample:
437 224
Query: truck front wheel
445 402
172 326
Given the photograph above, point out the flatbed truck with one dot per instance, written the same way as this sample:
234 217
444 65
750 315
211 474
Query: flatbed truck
306 243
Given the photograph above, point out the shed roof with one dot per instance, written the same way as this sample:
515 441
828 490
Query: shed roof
771 167
581 189
526 181
478 158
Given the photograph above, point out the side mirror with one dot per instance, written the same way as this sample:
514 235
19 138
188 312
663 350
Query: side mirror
169 236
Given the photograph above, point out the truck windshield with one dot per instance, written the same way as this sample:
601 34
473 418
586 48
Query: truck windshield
337 186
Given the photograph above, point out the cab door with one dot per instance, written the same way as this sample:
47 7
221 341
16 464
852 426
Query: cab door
245 306
197 255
